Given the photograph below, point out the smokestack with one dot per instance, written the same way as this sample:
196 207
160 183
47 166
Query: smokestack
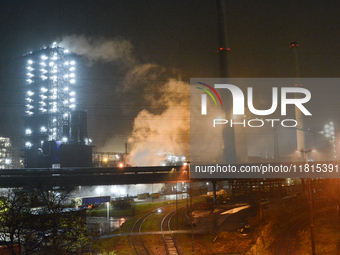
298 114
222 39
228 133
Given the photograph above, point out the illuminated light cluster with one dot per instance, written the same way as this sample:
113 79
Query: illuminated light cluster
171 159
28 145
50 75
329 133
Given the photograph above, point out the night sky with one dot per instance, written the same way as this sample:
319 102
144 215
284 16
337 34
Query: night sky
179 36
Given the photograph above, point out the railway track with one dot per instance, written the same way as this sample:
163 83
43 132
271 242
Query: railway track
136 240
169 241
284 245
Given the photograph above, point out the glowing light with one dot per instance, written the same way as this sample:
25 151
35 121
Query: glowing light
66 63
28 145
72 68
72 93
43 129
66 88
64 139
72 100
72 63
121 165
30 62
66 51
8 161
51 64
43 90
72 81
29 81
43 63
72 106
30 93
28 131
43 71
71 74
43 57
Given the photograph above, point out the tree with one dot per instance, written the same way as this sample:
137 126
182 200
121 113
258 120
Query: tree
16 219
38 220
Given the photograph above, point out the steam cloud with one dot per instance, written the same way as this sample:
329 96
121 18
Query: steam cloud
154 134
99 49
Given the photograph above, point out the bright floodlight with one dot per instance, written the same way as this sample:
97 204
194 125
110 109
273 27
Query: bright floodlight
43 129
66 51
64 139
72 100
30 62
72 93
71 74
43 57
28 131
72 81
72 62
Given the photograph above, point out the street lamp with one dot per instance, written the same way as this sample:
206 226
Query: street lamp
108 224
310 202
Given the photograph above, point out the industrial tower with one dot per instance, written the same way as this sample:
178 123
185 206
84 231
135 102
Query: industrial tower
51 119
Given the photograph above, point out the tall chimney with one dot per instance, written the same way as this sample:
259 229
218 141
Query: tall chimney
228 133
298 114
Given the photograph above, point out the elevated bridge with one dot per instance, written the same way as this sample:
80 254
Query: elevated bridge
14 178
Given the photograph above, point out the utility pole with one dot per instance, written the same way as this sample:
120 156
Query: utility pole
310 204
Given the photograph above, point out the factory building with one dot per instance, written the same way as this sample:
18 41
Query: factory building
55 131
9 156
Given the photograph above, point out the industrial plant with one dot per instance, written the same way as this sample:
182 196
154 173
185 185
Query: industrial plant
55 131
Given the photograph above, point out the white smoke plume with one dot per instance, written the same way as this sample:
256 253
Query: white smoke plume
153 134
157 134
99 49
